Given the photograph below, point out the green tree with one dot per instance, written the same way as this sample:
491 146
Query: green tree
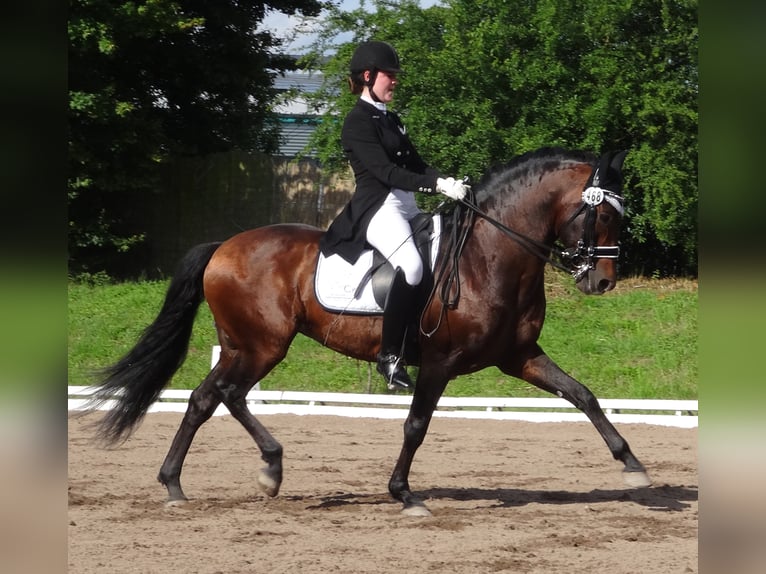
154 79
490 79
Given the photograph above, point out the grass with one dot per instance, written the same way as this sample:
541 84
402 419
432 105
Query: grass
639 341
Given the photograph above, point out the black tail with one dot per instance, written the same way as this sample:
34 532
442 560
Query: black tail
136 380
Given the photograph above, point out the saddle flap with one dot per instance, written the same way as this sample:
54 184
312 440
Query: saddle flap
361 287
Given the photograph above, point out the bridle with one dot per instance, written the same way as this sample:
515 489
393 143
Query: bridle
582 258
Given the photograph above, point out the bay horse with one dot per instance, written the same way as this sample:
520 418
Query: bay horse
259 287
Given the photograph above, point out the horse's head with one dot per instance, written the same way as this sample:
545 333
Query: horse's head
591 232
579 201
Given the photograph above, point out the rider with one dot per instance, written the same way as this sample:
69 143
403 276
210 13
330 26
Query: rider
388 170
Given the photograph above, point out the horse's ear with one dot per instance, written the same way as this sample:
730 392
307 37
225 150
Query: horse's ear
609 166
609 171
617 160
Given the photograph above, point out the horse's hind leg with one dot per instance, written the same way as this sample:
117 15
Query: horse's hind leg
246 369
228 384
270 477
542 372
202 404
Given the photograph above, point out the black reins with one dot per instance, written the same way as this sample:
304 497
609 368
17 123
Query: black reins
536 248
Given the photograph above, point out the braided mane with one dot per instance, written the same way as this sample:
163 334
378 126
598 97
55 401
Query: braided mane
539 160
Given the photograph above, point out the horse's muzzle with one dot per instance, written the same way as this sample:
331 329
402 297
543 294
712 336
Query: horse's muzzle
596 282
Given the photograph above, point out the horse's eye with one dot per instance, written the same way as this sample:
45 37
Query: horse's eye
605 218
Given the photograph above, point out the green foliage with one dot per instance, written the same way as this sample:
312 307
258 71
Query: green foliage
489 79
154 79
639 341
486 80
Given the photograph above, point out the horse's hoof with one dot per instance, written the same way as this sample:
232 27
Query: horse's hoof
636 479
268 485
176 502
416 509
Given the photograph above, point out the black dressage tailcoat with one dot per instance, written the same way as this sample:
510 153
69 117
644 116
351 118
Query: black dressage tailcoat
381 156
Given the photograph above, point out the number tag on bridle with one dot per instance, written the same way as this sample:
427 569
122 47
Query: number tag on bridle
593 196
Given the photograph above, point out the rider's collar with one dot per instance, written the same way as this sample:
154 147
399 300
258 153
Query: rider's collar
380 105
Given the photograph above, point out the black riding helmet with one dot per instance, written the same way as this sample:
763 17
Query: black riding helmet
374 56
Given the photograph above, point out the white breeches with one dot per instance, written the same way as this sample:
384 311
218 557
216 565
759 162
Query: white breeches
390 233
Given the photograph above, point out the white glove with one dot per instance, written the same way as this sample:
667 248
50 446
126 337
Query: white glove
452 188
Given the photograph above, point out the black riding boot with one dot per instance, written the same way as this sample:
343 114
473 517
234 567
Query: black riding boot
397 314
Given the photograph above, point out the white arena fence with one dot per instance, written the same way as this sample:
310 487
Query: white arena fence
676 413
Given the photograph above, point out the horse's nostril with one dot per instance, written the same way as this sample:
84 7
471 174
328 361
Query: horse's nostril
605 285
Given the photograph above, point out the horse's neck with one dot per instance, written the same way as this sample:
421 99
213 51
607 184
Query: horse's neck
530 211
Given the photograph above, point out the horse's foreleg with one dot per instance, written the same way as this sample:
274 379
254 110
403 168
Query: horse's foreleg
202 404
542 372
427 393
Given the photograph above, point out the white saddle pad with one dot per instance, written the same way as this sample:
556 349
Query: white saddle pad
336 280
